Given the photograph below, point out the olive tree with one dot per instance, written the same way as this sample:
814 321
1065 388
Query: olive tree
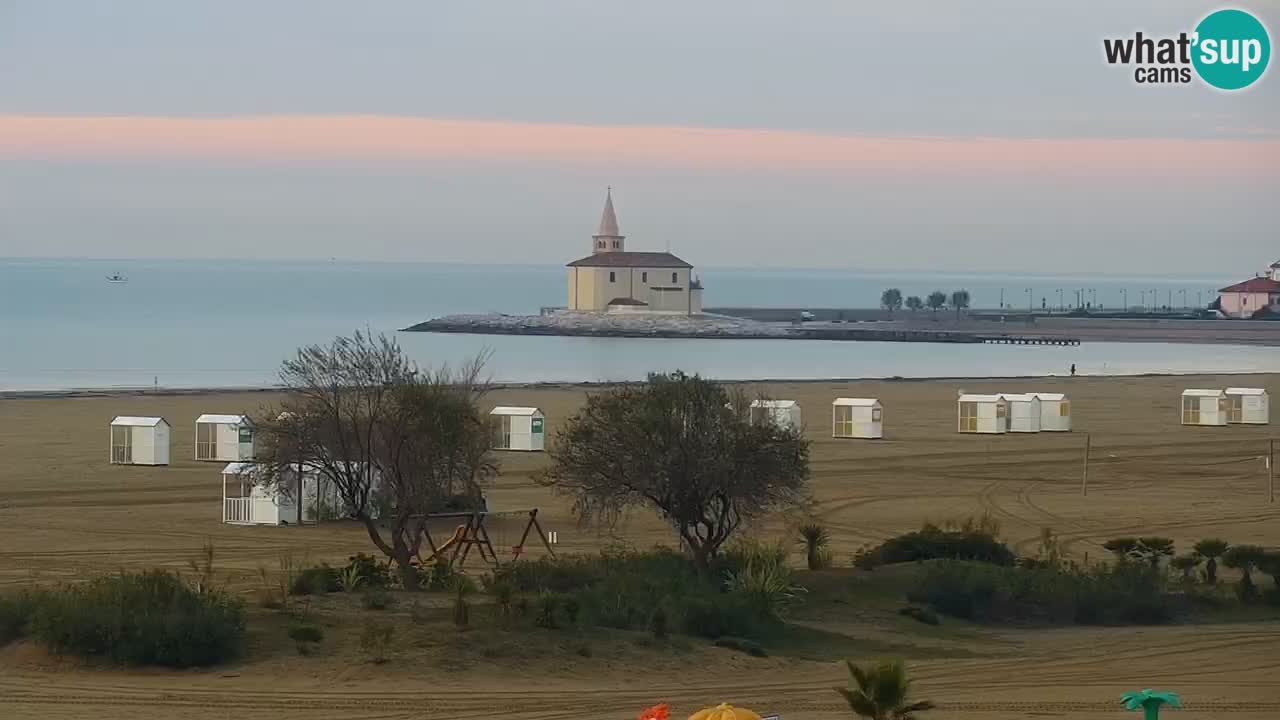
395 442
683 447
891 300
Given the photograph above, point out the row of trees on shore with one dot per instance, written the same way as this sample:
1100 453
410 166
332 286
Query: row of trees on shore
892 300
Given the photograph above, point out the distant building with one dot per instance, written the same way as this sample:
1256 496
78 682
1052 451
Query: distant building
611 279
1244 299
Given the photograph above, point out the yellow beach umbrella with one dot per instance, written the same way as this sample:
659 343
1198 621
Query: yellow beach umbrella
724 712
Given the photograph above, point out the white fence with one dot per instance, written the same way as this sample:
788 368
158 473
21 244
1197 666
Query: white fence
237 510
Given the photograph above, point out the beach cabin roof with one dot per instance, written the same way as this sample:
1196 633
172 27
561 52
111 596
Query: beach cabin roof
1020 397
506 410
1054 397
980 398
773 403
1246 391
856 402
138 421
1200 392
224 419
239 468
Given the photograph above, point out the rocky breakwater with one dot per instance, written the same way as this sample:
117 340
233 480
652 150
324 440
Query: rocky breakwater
602 325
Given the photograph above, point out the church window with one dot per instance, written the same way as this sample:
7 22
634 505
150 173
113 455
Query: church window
611 277
615 244
644 277
600 244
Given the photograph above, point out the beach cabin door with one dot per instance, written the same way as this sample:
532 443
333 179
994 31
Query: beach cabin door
968 417
1190 410
206 441
1236 413
121 444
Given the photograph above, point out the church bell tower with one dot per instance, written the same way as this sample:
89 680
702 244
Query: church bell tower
607 239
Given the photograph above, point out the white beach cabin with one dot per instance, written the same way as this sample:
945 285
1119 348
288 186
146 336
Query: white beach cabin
1248 406
518 428
139 441
246 501
983 414
1204 407
1024 412
783 413
1055 412
224 437
857 418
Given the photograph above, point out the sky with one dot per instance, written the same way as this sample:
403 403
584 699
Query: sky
986 136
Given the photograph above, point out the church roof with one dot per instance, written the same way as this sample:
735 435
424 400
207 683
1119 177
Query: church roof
608 219
1254 285
631 260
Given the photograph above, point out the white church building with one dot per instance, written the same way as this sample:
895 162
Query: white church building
612 279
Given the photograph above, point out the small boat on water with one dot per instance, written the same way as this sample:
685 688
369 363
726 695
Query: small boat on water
117 278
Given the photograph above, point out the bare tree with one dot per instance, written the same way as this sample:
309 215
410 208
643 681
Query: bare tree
395 442
684 447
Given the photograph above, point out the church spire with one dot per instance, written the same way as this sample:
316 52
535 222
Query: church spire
607 238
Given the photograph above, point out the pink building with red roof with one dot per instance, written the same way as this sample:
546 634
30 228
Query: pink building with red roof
1244 299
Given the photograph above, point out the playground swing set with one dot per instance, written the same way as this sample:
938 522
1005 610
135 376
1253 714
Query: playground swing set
473 533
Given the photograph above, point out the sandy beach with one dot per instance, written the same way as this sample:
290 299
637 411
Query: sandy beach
65 514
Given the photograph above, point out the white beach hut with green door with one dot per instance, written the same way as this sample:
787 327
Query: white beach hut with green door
517 428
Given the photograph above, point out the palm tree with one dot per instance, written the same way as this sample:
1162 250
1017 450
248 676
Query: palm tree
914 303
1154 548
879 692
1150 701
1211 549
1245 558
1186 564
1123 548
815 539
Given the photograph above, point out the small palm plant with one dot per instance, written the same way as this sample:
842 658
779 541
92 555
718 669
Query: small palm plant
349 578
1211 549
881 692
815 539
1150 701
1125 548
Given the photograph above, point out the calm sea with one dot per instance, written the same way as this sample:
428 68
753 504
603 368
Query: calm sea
230 323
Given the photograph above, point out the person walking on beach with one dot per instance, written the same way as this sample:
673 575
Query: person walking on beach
1073 369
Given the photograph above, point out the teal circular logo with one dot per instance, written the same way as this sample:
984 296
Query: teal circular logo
1231 49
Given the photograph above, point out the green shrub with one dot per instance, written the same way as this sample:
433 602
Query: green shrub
765 583
924 615
1102 594
439 577
749 647
548 611
375 639
316 580
376 598
147 618
934 543
658 624
304 636
16 611
715 615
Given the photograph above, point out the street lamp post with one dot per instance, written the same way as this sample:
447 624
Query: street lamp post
1030 307
1124 299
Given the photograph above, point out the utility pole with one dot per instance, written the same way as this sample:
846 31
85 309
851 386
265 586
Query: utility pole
1084 477
1271 470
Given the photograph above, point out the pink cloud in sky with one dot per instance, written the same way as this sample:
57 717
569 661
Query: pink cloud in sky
394 139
